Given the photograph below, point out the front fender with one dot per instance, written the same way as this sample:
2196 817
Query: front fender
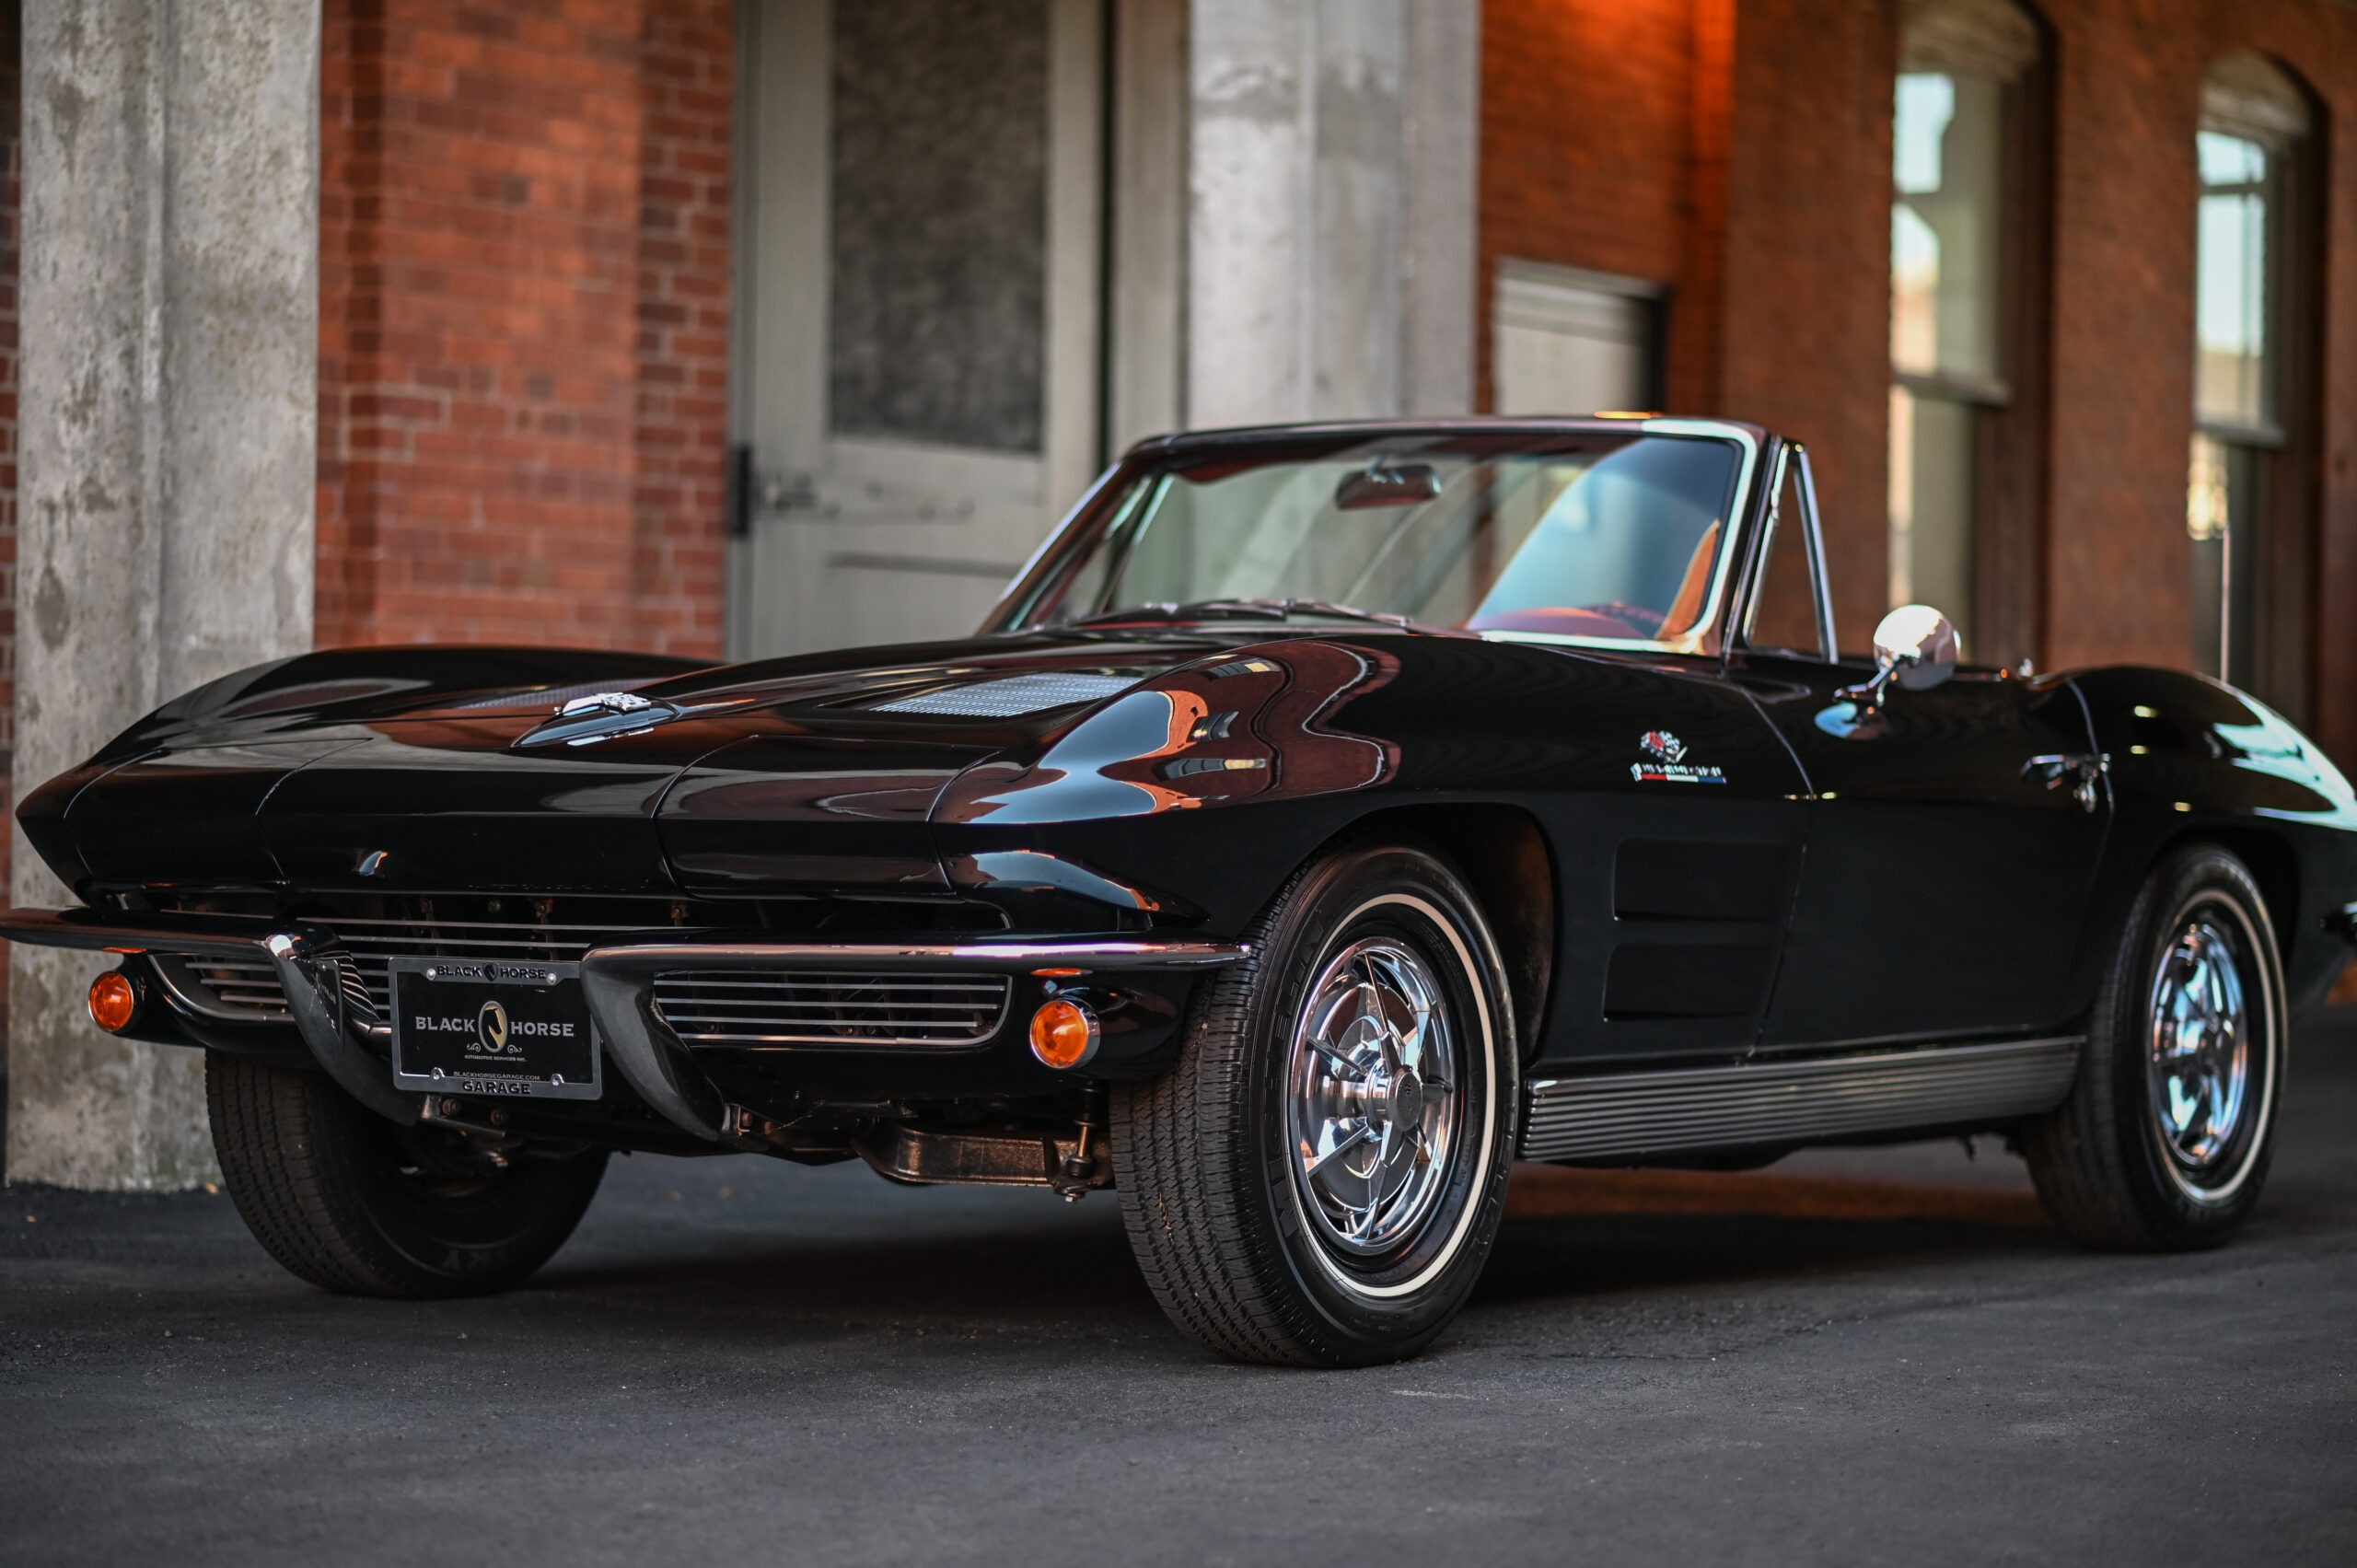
1240 766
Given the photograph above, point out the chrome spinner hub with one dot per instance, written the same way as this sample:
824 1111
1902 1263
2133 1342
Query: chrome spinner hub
2201 1059
1372 1103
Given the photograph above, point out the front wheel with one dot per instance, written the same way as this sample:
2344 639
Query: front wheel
345 1199
2165 1140
1318 1180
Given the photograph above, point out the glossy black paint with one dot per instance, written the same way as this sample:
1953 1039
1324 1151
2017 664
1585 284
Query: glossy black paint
1797 875
1946 886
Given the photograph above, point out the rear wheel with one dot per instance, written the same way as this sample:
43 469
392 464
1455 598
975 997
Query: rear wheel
354 1203
1318 1180
2165 1140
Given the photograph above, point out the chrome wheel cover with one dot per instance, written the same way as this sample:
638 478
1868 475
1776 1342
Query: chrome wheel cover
2201 1054
1373 1097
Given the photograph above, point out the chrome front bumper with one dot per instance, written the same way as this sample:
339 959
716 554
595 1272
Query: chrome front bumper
618 982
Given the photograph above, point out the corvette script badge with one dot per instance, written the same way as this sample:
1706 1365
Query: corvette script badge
1669 764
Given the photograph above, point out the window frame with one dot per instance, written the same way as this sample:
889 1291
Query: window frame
1790 461
2284 448
2010 455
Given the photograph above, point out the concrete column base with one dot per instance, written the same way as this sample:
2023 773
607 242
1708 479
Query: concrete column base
167 471
91 1112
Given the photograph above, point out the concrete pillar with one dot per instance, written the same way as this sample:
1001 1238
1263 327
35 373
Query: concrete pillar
167 466
1330 208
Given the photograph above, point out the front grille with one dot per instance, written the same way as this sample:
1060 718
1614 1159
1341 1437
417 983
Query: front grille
240 988
741 1007
248 988
729 1008
738 1008
374 944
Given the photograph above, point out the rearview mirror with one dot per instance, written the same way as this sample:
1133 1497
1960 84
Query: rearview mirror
1915 644
1398 485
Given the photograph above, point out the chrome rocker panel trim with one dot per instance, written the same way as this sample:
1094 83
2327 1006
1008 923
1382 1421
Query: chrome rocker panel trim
1809 1100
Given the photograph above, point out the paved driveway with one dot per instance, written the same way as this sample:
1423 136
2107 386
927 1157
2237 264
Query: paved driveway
1878 1356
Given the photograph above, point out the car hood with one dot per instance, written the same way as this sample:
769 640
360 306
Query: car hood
439 768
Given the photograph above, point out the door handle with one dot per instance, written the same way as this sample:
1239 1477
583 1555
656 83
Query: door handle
2082 772
752 491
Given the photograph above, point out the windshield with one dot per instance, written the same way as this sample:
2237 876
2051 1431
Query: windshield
1604 535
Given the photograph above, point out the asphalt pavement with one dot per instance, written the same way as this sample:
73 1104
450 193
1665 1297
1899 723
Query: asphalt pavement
1853 1357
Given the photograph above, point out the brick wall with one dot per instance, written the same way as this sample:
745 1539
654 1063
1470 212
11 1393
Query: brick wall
2129 99
1737 154
1805 302
524 274
687 85
1740 153
1591 152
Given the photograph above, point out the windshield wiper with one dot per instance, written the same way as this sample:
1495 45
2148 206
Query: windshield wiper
1239 609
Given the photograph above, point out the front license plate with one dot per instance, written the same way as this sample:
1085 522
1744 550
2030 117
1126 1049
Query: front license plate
471 1026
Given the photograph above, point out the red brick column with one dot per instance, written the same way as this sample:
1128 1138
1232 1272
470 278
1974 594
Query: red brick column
1739 153
524 335
1598 118
687 97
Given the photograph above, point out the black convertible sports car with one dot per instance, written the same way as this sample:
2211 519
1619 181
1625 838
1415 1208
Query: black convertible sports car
1329 816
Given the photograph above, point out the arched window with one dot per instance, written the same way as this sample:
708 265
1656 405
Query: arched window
1967 180
2245 500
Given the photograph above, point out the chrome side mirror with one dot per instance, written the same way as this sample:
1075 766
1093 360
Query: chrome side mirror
1916 642
1915 647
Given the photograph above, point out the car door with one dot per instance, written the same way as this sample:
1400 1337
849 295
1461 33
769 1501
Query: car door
1951 847
1678 829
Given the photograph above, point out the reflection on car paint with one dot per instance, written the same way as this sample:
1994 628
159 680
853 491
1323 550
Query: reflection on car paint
1262 727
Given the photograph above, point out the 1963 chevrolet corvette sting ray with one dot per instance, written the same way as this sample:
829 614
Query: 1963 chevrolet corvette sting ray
1328 817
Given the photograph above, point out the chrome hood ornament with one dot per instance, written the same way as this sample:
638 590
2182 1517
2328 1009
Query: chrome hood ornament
601 717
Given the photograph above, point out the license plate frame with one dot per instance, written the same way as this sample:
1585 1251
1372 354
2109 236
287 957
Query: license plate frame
493 1027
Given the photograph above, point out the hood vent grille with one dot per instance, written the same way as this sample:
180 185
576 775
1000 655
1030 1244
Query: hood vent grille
1014 695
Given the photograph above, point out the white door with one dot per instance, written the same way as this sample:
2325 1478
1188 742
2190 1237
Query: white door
919 255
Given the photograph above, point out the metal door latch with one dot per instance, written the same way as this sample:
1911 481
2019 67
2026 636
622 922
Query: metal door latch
752 491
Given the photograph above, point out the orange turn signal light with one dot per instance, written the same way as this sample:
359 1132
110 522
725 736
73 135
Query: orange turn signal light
1063 1033
114 1002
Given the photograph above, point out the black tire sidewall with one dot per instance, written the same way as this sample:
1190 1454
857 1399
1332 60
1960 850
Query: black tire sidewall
2195 878
491 1239
319 1180
1411 892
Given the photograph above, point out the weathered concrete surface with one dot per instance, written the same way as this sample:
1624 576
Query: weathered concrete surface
1331 224
1440 223
1868 1357
171 340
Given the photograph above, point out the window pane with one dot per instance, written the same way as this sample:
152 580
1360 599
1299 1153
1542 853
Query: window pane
2221 510
1784 614
2229 160
2231 371
937 302
1946 175
1598 536
1931 551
